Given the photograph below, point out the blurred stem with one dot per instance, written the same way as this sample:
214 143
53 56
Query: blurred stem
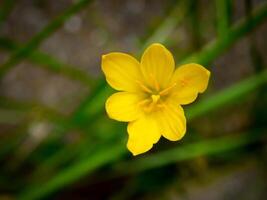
5 9
189 151
177 14
259 114
14 112
36 41
80 119
223 8
218 46
51 63
76 171
64 155
254 53
195 25
11 117
224 97
17 136
77 120
228 95
71 173
35 108
26 50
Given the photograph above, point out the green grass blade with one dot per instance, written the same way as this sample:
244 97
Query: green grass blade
25 51
59 181
46 112
51 63
228 95
6 9
218 46
15 138
169 24
190 151
223 9
75 172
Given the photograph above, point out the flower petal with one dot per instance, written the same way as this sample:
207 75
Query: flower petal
157 66
123 106
143 133
122 71
172 121
190 80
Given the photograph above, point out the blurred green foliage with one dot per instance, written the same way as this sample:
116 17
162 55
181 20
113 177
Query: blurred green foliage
55 164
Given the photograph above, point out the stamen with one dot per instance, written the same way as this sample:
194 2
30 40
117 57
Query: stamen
155 82
153 104
146 89
166 90
141 103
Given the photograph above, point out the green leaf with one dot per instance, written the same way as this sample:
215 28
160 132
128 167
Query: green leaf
35 42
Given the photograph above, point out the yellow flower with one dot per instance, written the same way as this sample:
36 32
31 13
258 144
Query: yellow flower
151 94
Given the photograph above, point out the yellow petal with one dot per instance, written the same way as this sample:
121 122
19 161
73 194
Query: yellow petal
190 80
122 71
143 133
172 121
123 106
157 66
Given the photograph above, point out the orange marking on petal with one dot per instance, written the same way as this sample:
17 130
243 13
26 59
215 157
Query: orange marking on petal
184 82
146 89
141 103
155 82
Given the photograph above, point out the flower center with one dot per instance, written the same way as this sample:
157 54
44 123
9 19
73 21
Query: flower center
154 97
152 103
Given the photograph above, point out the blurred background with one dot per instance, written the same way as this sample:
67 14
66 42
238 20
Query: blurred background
56 141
